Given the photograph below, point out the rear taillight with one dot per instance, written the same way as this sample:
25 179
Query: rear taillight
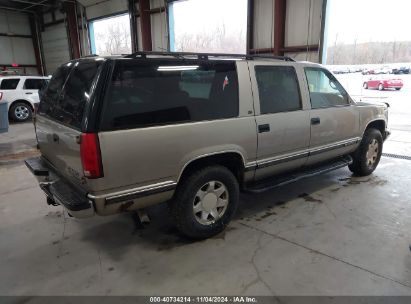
90 155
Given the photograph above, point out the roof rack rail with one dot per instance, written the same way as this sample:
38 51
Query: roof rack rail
206 56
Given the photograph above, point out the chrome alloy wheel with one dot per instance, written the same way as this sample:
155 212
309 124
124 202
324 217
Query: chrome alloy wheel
210 202
21 112
372 153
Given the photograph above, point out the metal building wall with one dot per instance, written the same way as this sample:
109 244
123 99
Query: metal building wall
301 23
16 44
159 26
263 28
55 46
158 19
302 28
104 8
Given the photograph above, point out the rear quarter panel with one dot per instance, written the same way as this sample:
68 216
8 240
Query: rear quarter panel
145 156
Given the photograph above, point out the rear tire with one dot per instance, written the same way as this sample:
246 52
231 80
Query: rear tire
397 89
20 111
368 154
205 202
365 85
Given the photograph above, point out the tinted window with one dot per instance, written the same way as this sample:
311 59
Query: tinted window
49 97
76 93
325 90
278 89
34 84
9 84
147 93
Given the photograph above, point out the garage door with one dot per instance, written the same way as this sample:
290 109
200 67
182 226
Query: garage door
55 46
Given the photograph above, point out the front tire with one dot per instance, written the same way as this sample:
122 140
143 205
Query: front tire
368 154
205 202
20 112
397 89
381 87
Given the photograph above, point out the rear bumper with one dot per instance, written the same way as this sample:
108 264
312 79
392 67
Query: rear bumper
59 190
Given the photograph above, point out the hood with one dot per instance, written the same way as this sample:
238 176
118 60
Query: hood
371 102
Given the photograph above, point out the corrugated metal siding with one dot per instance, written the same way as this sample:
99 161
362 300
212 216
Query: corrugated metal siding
15 49
263 24
14 23
159 35
310 56
303 24
55 47
139 40
156 3
105 8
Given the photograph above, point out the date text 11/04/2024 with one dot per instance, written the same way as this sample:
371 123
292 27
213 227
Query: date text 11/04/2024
201 299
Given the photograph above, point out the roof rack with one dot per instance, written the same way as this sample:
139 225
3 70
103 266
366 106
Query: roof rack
206 56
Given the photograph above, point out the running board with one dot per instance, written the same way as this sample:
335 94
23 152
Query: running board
312 171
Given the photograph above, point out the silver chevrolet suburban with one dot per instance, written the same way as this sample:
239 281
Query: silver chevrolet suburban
118 134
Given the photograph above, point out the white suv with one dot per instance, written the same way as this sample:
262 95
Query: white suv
21 93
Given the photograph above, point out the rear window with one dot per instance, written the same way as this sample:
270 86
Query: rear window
150 93
49 97
69 92
76 93
9 84
34 84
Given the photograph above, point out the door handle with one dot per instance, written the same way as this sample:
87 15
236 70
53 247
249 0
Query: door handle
29 93
263 128
315 121
55 137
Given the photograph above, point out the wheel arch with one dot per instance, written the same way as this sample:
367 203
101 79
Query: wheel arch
378 124
234 161
23 101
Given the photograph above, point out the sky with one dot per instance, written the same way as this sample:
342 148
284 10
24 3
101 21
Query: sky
368 20
101 28
195 16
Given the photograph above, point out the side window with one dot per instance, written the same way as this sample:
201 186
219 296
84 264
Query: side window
9 84
197 83
49 97
278 89
158 92
33 84
325 90
76 93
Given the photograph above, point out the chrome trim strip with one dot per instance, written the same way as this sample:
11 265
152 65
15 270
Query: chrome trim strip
138 192
275 161
171 185
250 166
341 144
308 152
